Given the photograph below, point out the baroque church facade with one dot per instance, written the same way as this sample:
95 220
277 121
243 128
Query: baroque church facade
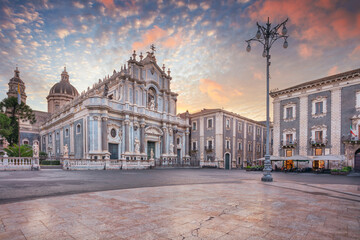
130 115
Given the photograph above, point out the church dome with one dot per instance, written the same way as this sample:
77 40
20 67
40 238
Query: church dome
64 86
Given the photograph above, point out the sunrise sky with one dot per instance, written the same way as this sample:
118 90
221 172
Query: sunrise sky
203 42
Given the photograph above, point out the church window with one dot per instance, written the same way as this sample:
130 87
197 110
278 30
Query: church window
178 141
66 132
130 95
78 128
57 136
136 96
113 133
26 142
44 139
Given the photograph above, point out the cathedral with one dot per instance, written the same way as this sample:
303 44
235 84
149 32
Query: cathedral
130 115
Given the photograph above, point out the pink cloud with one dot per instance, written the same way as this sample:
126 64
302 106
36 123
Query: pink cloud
325 22
334 70
151 36
217 92
107 3
159 36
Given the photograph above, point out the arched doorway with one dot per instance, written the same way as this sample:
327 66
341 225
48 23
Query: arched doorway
227 161
357 160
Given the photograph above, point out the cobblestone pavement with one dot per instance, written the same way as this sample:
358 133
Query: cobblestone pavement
18 186
249 209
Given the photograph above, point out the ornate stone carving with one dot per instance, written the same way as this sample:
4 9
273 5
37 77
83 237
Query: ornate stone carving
171 148
35 150
153 131
66 151
137 145
151 154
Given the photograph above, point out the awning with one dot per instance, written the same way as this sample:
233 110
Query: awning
330 157
298 158
273 158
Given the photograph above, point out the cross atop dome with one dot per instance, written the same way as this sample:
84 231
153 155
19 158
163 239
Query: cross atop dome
65 75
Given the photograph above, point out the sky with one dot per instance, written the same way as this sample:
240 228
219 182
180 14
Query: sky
202 42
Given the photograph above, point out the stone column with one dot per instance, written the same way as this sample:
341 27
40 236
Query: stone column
164 140
187 142
174 141
104 133
71 135
303 130
127 135
276 131
142 137
335 121
61 140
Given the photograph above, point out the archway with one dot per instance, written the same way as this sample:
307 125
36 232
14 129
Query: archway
357 160
227 161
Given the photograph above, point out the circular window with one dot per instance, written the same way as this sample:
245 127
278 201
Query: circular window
113 133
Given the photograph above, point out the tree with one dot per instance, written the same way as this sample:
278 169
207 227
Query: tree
5 126
13 151
14 111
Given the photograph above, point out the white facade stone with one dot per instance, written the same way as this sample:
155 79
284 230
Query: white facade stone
303 131
276 130
335 121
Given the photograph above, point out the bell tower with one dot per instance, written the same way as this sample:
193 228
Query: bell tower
13 86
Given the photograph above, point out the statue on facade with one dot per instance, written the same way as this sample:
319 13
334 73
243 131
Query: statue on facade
65 151
35 150
171 148
137 145
106 90
151 99
151 154
152 104
202 156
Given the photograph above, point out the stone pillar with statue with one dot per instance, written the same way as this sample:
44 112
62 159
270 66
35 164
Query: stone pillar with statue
36 164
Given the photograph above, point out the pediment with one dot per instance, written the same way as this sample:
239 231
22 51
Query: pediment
151 130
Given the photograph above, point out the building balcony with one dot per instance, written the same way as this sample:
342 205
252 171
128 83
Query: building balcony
193 151
350 139
209 149
289 144
318 142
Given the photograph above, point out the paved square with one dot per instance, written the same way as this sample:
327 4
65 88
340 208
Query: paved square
248 209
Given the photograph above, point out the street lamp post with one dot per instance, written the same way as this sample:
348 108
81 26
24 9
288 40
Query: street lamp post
267 36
